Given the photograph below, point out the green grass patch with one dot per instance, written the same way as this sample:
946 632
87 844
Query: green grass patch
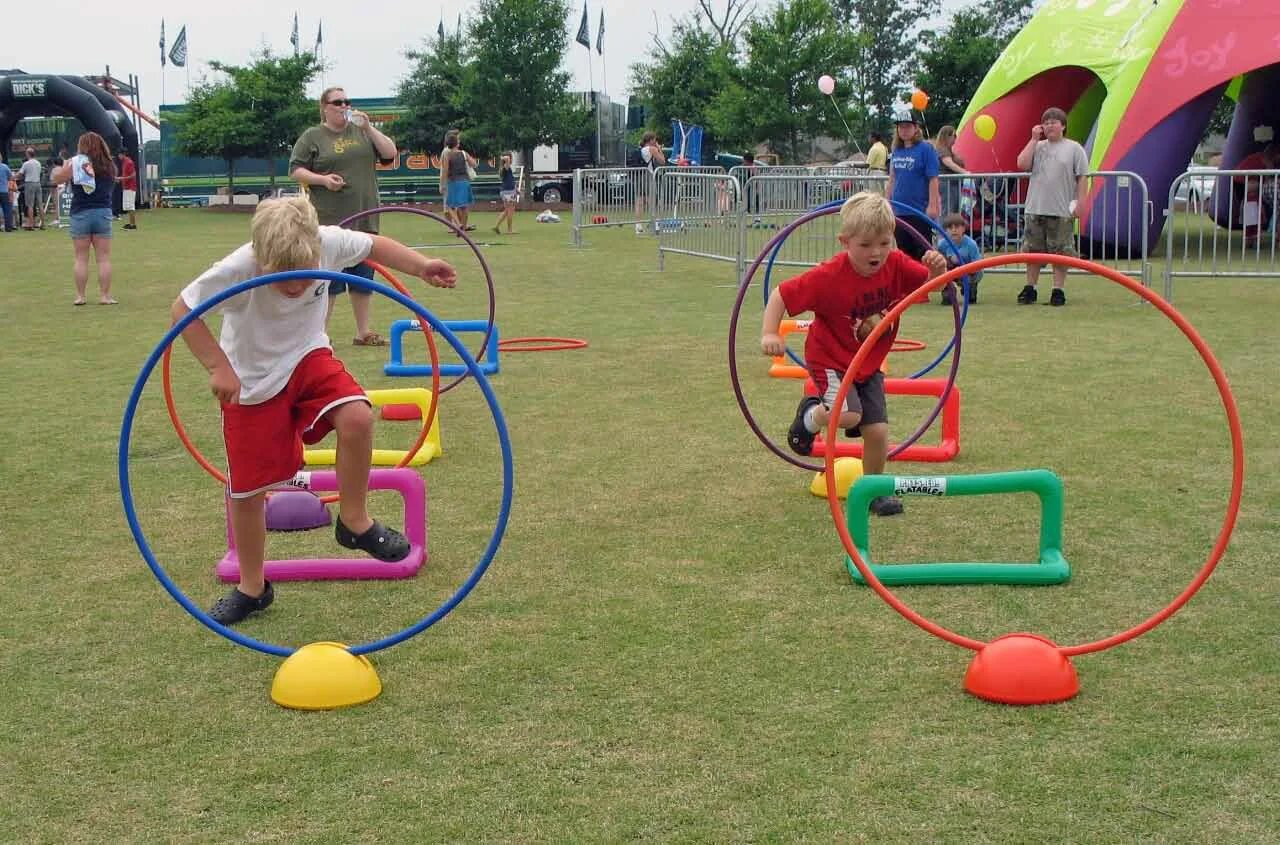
667 646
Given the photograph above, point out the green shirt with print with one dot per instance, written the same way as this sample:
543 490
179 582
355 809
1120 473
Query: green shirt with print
351 155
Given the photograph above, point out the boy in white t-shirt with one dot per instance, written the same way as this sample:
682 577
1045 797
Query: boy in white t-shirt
280 386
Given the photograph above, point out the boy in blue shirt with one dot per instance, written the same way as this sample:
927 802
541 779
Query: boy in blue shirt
958 233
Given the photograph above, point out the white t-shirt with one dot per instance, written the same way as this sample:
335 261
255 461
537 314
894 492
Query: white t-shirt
265 333
1054 171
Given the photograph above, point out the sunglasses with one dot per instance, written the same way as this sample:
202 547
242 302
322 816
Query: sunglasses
338 103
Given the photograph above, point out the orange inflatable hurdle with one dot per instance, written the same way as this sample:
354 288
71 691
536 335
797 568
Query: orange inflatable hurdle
781 367
944 451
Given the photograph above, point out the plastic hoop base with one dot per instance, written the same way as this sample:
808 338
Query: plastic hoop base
1021 669
325 676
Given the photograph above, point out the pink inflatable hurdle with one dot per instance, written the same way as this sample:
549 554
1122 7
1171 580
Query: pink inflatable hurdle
412 489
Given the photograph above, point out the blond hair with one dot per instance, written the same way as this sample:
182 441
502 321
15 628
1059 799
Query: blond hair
866 213
286 235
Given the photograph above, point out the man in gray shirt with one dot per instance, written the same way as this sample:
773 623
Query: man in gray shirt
1055 198
30 171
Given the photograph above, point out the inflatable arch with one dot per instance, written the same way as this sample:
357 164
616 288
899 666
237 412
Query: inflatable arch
39 95
1139 80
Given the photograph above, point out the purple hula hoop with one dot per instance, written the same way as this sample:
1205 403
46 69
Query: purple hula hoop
488 274
733 356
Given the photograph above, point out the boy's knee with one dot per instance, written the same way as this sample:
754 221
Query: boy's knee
876 432
353 419
849 419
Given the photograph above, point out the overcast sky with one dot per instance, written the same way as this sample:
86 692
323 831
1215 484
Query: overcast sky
364 42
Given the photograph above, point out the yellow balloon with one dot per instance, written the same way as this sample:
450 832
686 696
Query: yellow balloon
985 127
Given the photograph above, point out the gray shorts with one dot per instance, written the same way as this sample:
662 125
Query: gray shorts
31 195
866 398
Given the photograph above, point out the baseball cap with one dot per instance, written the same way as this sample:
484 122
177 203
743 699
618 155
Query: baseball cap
902 114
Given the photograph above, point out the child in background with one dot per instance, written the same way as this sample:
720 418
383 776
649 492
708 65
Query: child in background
510 195
958 233
280 386
848 294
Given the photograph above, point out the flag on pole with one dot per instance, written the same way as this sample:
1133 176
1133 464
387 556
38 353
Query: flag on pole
600 34
178 54
440 29
293 39
584 30
319 36
162 42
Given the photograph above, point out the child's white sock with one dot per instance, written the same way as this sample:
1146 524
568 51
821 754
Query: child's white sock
810 423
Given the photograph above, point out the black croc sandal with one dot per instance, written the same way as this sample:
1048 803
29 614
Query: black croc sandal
386 544
799 438
856 431
235 606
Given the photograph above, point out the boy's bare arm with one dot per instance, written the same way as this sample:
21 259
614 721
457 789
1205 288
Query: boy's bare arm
223 381
397 256
771 342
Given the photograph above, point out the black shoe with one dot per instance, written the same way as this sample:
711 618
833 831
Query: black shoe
856 431
386 544
1058 297
130 226
885 506
799 438
1027 296
235 606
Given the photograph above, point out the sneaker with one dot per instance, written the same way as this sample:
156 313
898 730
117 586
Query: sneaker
885 506
1058 297
130 226
799 438
1027 296
235 606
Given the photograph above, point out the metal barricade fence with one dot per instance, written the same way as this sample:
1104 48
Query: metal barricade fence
1222 223
698 215
613 196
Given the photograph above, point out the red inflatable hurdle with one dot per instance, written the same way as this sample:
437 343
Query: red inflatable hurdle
944 451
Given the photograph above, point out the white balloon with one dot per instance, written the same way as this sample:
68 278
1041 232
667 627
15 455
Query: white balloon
826 84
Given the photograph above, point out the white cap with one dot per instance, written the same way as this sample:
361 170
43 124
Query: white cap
902 114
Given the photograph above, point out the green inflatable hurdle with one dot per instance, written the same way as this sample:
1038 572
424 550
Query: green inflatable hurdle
1051 569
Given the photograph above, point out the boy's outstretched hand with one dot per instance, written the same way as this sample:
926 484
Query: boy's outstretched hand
935 262
438 273
225 384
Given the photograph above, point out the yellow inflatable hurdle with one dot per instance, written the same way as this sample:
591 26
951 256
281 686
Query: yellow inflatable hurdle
431 448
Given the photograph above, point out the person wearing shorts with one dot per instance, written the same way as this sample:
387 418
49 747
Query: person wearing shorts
848 294
280 385
91 192
129 189
509 194
32 195
1056 196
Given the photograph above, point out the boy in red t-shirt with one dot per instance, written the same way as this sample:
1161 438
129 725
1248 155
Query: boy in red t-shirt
848 294
129 189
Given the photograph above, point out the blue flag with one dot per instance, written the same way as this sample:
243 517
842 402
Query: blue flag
584 30
178 55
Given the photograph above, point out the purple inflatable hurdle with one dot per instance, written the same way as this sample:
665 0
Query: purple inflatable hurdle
411 488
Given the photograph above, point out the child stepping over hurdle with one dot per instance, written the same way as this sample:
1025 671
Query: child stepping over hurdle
848 294
280 385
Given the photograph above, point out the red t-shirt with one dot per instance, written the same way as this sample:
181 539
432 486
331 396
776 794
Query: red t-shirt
839 297
128 175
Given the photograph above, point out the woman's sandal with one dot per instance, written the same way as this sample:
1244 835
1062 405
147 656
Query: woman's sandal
386 544
371 339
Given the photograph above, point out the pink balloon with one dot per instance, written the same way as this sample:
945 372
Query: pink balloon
826 84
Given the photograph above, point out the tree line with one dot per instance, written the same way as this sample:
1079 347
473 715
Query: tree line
749 76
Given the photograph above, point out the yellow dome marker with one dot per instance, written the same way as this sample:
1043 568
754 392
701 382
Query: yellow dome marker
325 676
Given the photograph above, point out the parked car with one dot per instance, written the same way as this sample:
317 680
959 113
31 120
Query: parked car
552 188
1195 191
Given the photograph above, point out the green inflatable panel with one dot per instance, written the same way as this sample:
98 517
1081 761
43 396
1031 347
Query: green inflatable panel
1052 568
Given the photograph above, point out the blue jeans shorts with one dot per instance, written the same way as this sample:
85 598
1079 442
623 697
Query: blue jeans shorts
91 221
362 270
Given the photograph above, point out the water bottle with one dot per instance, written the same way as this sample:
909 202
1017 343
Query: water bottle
352 117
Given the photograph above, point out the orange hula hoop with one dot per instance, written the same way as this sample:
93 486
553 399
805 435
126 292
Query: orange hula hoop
902 344
544 344
221 477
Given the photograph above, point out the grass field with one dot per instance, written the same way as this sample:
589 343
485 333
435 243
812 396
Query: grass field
667 646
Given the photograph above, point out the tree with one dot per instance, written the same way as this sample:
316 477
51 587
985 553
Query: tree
517 96
680 81
885 33
774 98
737 13
956 60
432 93
258 112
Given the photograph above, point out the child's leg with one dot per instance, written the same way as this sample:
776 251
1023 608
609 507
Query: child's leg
353 424
249 527
875 447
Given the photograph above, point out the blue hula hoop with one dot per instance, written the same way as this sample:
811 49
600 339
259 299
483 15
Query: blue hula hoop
126 431
915 213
